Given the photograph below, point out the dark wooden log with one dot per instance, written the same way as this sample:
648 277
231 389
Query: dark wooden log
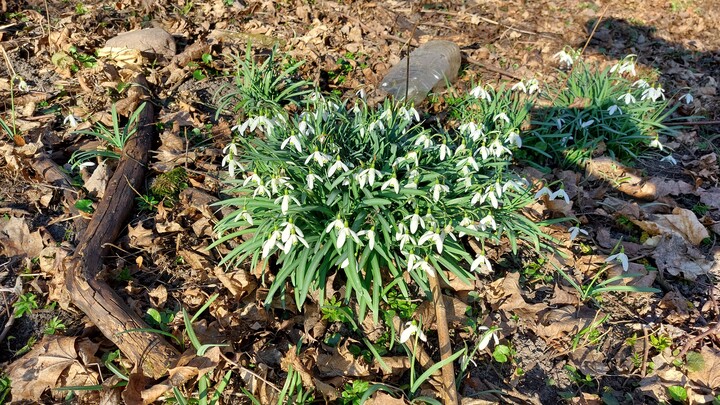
150 352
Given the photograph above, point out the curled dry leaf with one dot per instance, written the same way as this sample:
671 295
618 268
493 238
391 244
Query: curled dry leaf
17 240
682 222
505 294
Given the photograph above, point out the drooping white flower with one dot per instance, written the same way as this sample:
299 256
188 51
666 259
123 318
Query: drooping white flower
655 143
290 236
403 236
320 158
481 94
280 181
498 149
620 258
533 86
434 236
519 86
559 122
409 113
489 335
641 84
261 190
437 189
614 109
361 93
415 221
688 98
272 241
310 180
72 120
627 98
472 129
338 165
368 176
575 231
481 264
468 162
488 221
653 93
392 182
230 159
252 177
284 201
564 57
253 123
444 151
336 224
411 329
370 234
305 129
424 140
670 159
467 223
294 141
586 124
425 265
514 138
412 260
502 116
244 215
343 233
560 193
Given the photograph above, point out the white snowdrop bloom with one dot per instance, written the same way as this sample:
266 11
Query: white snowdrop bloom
262 190
392 182
473 130
288 229
244 215
502 116
231 161
620 258
272 242
466 180
468 162
519 86
424 140
409 113
370 234
85 164
478 198
338 165
292 240
488 221
627 98
481 94
425 265
489 335
560 193
253 123
21 84
586 124
444 151
533 86
413 156
564 57
252 177
575 231
433 236
655 143
415 221
688 98
320 158
653 93
368 176
305 129
360 93
379 124
403 238
437 189
230 149
626 66
481 264
285 200
498 149
460 149
310 180
412 260
614 109
343 234
411 329
514 138
485 152
294 141
469 224
71 120
413 183
559 122
670 159
641 84
279 181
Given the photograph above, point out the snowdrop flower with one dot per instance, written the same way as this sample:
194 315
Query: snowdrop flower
468 162
304 129
560 193
481 94
343 233
378 124
252 177
370 234
444 151
473 130
368 176
586 123
230 159
514 138
575 231
411 329
85 164
360 93
437 189
285 202
310 180
502 116
409 113
627 98
261 189
627 65
392 182
413 183
489 335
292 240
271 242
559 122
21 84
336 224
425 265
498 149
519 86
533 86
318 157
279 181
245 216
614 109
688 98
290 230
424 140
655 143
488 220
641 84
653 93
72 120
415 221
670 159
412 259
294 141
403 237
467 223
481 264
252 124
337 165
435 237
564 57
620 258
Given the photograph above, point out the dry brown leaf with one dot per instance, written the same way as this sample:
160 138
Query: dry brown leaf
674 255
505 294
96 182
383 398
239 282
17 240
51 363
194 259
682 221
341 363
141 237
709 373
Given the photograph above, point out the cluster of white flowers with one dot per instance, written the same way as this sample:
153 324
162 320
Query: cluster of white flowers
627 65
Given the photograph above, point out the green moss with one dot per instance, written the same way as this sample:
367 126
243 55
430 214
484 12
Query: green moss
167 186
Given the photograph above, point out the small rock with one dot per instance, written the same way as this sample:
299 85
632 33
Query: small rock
154 43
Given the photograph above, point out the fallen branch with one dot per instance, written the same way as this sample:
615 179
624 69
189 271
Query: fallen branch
150 352
448 371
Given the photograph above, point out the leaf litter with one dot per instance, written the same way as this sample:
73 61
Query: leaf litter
665 217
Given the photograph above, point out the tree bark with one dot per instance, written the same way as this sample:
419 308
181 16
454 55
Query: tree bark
150 352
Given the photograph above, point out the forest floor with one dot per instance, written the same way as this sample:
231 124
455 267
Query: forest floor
615 348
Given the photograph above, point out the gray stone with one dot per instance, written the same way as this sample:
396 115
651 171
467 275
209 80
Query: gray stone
153 43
